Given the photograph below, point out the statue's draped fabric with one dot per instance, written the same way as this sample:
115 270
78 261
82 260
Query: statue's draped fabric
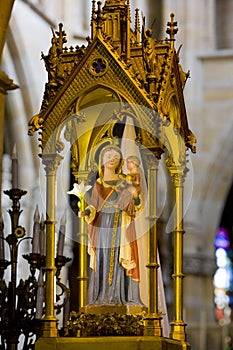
114 264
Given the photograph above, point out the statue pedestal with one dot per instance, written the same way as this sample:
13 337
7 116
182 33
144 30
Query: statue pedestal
113 343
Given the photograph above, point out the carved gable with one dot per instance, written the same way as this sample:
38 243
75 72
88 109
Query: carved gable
130 65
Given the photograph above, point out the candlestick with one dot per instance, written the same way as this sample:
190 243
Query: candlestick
36 232
14 169
2 246
23 303
61 238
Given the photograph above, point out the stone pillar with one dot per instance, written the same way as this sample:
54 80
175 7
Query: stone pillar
51 162
177 174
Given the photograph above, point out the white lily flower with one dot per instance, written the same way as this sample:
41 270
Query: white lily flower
79 190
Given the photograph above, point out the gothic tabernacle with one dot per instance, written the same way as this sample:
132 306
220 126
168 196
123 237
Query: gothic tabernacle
118 102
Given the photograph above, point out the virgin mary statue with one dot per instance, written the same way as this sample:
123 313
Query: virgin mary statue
114 264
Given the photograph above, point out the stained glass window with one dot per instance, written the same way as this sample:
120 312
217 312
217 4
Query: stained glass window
223 278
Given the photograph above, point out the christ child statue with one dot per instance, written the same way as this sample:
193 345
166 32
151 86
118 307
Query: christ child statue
133 163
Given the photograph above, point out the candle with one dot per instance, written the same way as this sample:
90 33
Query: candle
14 169
2 248
61 238
36 232
40 296
42 236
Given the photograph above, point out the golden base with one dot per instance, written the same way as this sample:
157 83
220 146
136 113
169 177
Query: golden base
120 309
178 330
49 328
113 343
152 326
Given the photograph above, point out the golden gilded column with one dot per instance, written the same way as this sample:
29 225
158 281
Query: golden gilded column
82 277
153 321
51 162
178 173
82 238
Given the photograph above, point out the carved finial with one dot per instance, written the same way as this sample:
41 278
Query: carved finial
172 30
128 21
93 18
61 37
99 16
93 8
137 26
128 7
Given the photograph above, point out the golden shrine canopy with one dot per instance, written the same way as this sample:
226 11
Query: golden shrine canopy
119 64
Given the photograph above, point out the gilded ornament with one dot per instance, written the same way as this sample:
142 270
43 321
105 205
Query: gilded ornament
19 232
